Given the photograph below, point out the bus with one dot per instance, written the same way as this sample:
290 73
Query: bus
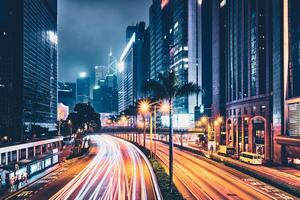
226 150
251 158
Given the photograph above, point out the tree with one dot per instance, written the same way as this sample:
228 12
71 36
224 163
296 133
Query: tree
114 119
84 114
132 112
167 87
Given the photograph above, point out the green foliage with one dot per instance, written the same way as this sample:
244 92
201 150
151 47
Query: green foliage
114 118
84 114
168 87
163 181
130 111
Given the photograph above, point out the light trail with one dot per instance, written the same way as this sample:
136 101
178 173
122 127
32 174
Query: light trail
116 172
207 181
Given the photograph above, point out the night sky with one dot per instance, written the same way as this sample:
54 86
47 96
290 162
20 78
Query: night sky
87 29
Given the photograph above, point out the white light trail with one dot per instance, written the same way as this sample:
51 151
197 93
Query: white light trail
116 172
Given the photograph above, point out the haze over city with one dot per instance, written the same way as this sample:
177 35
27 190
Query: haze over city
87 31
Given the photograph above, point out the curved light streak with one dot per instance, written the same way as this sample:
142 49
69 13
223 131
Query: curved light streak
116 172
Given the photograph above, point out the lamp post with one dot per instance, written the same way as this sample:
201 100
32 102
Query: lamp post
211 124
155 131
70 125
145 107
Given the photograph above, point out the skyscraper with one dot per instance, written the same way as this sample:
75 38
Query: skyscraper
248 76
160 23
105 95
179 30
28 66
218 66
286 60
83 85
132 68
100 73
112 63
67 94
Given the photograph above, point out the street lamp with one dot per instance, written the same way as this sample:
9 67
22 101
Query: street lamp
124 120
220 119
70 125
164 107
144 108
204 120
211 124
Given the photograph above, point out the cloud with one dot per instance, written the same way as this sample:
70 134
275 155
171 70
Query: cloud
89 28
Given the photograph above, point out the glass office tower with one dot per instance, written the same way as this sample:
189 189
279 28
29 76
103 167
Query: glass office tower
28 66
248 76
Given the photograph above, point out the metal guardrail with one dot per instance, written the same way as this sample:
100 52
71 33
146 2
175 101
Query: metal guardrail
134 130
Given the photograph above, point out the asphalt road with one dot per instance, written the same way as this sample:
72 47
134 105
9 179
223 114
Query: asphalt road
47 186
206 179
115 169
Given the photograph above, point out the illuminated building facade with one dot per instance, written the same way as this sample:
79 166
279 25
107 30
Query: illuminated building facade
67 94
177 38
134 66
248 76
286 92
100 73
112 63
28 66
83 87
218 67
105 95
159 28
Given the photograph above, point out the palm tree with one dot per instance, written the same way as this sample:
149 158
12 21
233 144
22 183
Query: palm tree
131 111
114 119
167 87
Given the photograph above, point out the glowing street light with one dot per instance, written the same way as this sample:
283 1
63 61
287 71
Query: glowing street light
144 106
216 123
204 120
220 119
164 107
123 120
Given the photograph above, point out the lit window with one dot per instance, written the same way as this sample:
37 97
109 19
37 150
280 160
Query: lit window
52 37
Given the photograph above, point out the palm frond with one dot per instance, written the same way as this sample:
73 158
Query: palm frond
169 81
156 89
188 89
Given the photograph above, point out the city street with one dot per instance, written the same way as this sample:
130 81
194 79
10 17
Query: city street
86 85
205 179
115 169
